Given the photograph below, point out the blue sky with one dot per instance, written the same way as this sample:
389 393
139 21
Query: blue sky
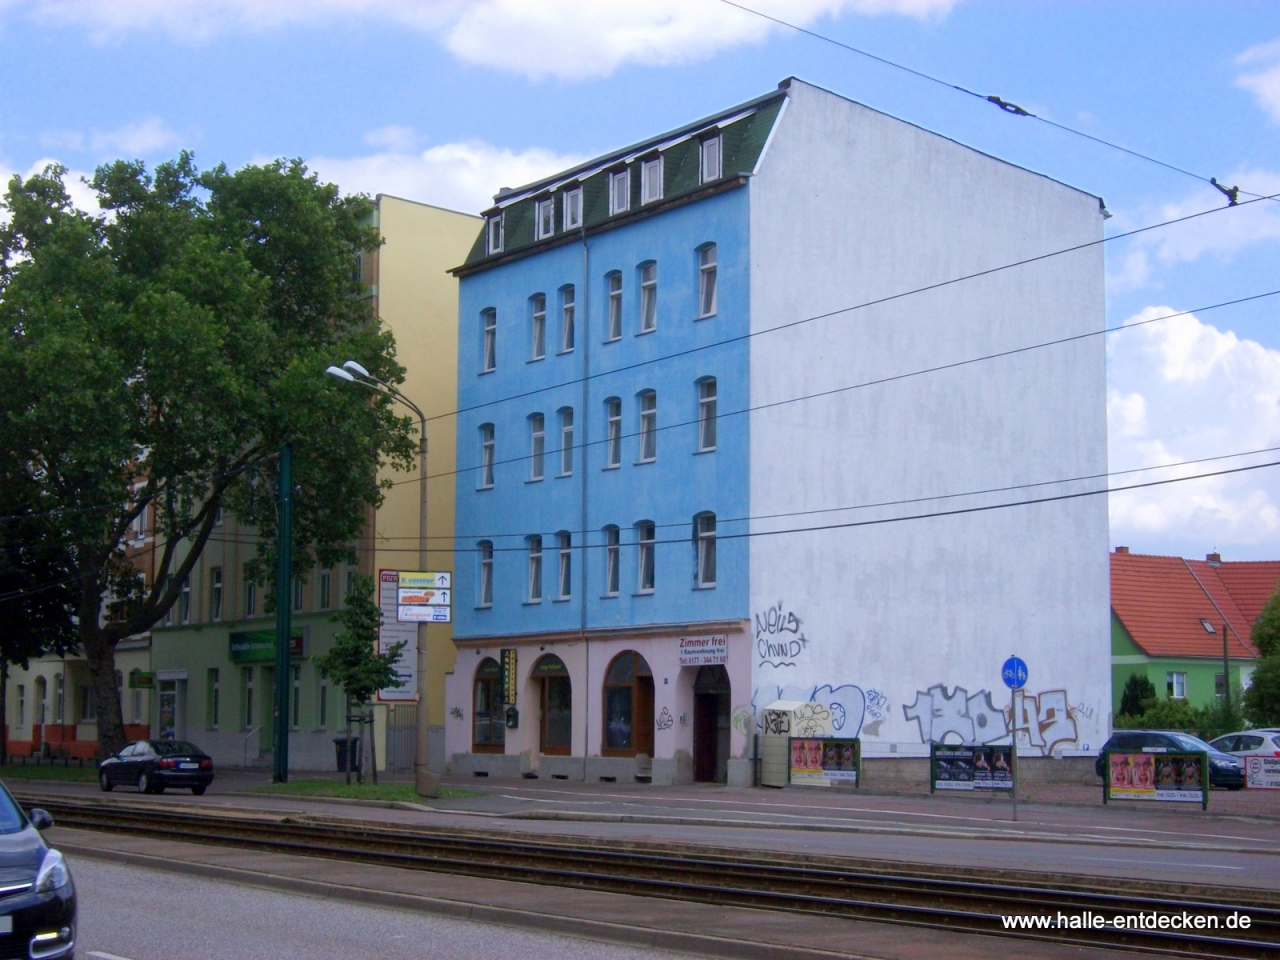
446 101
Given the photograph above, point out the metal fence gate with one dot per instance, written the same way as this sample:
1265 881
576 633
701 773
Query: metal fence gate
402 735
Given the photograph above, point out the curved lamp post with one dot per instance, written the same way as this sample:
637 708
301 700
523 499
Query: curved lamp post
426 783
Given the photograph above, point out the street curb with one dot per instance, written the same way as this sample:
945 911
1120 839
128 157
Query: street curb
602 930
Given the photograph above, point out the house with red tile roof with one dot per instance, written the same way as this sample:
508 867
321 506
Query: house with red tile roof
1173 621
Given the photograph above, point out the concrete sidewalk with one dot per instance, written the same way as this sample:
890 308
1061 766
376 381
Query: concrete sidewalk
710 930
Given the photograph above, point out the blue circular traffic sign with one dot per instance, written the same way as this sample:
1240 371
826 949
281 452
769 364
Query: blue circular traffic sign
1014 673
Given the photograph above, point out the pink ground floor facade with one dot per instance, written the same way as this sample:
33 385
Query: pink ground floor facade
666 704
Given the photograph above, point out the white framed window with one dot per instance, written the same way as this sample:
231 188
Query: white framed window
614 281
546 217
1176 685
648 426
184 602
537 446
612 557
711 150
489 348
645 543
298 588
564 541
496 233
215 698
704 535
484 596
707 414
486 456
535 569
567 304
651 180
538 328
613 446
326 589
137 706
250 595
246 685
566 441
619 192
215 593
139 525
217 516
706 280
322 705
22 704
648 297
572 208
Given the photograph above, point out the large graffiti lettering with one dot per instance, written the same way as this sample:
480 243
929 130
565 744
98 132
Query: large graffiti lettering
1040 721
1043 721
845 704
779 639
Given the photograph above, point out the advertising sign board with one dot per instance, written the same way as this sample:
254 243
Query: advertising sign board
393 630
423 597
509 675
1262 773
258 646
970 767
825 761
703 651
1156 774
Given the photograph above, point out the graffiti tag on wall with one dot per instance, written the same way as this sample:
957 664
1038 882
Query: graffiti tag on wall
1042 721
665 720
846 705
779 639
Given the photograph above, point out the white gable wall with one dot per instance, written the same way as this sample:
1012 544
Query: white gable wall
907 623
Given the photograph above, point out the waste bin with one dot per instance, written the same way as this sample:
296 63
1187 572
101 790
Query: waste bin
344 756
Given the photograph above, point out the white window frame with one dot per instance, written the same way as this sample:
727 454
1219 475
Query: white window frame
496 233
326 589
613 445
614 285
707 291
704 536
649 296
250 598
619 192
612 559
298 595
564 578
648 409
184 602
568 305
546 217
215 593
538 326
711 159
485 593
707 397
572 208
534 594
1176 684
646 562
489 343
487 436
537 447
215 697
651 180
566 441
322 705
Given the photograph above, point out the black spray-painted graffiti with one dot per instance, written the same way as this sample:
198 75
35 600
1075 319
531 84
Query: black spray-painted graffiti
779 639
777 723
813 720
455 712
664 721
846 705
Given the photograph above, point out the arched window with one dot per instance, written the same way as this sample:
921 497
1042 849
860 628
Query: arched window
706 280
566 441
648 400
646 541
564 567
555 722
537 445
538 326
488 729
612 559
704 550
486 456
706 414
628 706
42 700
613 283
567 305
648 297
613 446
535 569
484 595
489 343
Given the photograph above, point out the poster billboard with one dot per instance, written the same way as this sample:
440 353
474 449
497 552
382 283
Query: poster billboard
392 630
1262 773
970 767
1169 776
825 761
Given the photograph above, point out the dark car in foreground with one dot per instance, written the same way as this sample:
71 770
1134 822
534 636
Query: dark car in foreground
37 896
1224 770
154 765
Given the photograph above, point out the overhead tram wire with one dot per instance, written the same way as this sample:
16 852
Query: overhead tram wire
1231 193
879 301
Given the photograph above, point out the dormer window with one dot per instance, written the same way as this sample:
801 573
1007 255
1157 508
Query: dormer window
711 159
619 192
546 218
496 232
651 180
572 206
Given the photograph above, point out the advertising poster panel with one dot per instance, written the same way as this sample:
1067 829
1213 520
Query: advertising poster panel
393 630
971 767
1262 773
825 761
1171 777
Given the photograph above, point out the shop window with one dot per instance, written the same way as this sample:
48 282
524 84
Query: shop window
555 722
628 707
488 731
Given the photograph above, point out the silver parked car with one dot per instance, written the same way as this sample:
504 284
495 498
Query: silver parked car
1250 743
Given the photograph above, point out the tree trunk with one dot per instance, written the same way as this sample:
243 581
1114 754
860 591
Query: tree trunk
100 651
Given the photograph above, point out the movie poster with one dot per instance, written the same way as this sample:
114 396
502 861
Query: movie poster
972 768
1175 777
824 761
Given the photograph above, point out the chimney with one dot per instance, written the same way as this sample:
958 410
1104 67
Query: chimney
1214 558
1122 549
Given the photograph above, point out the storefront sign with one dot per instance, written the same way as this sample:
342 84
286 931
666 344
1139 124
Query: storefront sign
424 597
392 631
1262 773
703 651
825 761
1175 777
257 646
509 675
970 767
138 680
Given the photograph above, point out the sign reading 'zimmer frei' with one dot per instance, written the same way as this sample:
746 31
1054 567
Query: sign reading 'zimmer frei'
703 651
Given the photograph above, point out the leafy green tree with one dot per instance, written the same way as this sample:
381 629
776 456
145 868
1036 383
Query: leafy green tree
1166 714
1262 699
1139 694
157 354
1265 633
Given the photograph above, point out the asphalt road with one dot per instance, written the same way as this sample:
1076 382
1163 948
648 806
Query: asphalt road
127 913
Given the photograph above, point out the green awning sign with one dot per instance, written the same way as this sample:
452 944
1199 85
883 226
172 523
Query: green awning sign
259 646
139 680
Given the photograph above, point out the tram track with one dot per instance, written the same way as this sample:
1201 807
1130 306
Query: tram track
950 899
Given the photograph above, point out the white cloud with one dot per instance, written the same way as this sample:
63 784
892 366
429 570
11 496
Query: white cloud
82 196
1263 83
460 176
1180 390
569 39
139 139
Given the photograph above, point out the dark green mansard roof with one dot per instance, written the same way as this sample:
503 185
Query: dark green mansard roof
743 131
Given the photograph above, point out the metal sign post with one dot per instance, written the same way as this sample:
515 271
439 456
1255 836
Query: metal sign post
1014 675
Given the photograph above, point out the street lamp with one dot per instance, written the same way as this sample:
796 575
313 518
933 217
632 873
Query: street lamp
426 783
